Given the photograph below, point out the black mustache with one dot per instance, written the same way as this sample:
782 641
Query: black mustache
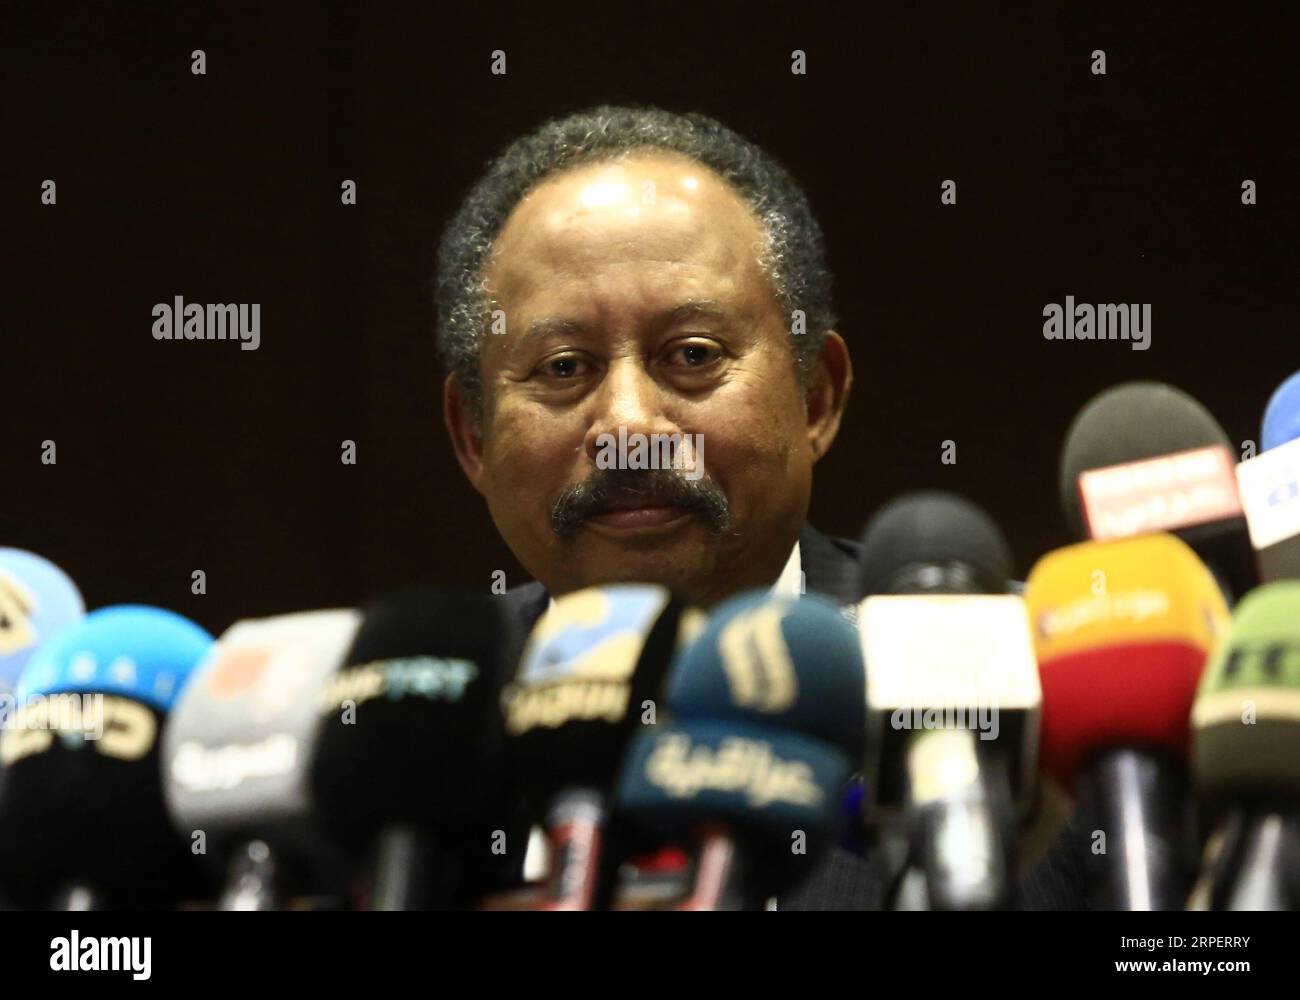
606 488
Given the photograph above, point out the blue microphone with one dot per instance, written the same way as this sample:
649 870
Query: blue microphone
1282 415
795 663
770 696
1269 487
37 600
759 799
82 818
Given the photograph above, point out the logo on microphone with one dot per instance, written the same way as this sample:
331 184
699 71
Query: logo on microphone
1270 493
555 704
757 661
580 660
428 677
1160 494
1134 606
748 767
209 769
16 606
115 727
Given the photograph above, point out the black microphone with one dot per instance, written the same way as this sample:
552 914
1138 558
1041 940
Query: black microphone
407 767
589 678
933 542
81 801
1144 457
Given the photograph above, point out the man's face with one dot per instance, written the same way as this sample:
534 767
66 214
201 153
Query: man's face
633 299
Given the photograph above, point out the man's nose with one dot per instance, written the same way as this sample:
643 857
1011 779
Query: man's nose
629 397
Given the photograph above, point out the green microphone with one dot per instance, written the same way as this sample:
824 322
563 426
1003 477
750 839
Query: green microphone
1246 756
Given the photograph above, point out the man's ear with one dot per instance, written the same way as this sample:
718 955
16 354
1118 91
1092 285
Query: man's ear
465 434
828 392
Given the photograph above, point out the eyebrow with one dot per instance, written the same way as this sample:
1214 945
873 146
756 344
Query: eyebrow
550 326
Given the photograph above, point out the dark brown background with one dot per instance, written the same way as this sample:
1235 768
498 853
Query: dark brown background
225 188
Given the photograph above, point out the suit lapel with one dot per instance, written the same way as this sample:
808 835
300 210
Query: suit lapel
830 565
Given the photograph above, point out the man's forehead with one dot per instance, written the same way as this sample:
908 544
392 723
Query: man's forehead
653 231
633 185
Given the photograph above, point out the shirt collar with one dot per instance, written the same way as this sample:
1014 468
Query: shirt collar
791 582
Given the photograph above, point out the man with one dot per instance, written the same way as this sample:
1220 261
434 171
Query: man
631 272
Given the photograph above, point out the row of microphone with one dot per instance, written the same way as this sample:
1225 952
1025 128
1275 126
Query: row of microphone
400 757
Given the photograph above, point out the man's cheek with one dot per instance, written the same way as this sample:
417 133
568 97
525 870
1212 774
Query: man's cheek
525 465
513 439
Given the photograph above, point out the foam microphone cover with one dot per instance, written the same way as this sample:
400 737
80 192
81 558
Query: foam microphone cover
1246 721
590 667
786 672
410 726
91 809
792 663
770 789
1122 631
1146 421
931 528
1128 423
37 600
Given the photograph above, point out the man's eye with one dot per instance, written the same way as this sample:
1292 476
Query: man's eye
695 355
564 367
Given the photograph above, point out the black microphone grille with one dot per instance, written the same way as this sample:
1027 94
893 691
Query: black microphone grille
1128 423
934 528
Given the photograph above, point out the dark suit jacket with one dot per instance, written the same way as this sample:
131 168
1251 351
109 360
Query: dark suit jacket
844 881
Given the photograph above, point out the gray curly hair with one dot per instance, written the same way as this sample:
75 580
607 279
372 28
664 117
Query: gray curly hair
793 253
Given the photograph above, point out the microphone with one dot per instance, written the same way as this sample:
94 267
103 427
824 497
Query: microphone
1246 752
1123 629
235 756
81 801
408 760
37 599
1269 484
1250 861
1144 457
954 696
591 672
1282 415
948 655
792 668
933 542
760 799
